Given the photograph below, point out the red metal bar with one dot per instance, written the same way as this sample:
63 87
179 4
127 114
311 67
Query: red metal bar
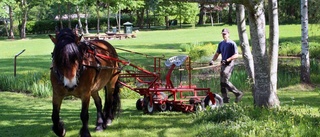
189 71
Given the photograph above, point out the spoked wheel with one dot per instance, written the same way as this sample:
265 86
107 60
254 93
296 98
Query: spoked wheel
197 103
170 106
198 107
218 101
139 104
161 97
148 105
162 107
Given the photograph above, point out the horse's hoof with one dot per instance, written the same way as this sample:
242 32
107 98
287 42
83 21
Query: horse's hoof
109 122
99 128
84 132
59 131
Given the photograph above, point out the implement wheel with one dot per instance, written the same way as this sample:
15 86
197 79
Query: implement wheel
139 104
148 106
161 97
198 107
162 107
218 101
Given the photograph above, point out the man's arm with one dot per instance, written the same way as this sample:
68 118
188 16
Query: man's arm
215 56
233 57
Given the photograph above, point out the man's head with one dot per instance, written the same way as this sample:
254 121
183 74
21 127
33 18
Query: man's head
225 33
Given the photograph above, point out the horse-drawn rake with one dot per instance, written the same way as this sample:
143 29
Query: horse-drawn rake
162 95
82 68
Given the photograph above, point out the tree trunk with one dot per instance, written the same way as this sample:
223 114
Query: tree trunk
6 27
98 16
274 49
148 19
201 14
108 16
60 17
230 14
11 34
263 95
140 14
86 19
211 19
69 15
244 44
24 9
305 62
166 18
79 20
119 22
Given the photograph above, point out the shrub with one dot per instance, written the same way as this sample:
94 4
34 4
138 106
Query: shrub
314 50
198 50
126 93
289 49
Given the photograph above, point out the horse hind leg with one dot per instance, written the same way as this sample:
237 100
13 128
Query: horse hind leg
112 103
100 116
58 125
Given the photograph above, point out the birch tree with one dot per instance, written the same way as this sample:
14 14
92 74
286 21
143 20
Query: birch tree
273 48
24 9
264 96
11 5
244 43
305 62
264 93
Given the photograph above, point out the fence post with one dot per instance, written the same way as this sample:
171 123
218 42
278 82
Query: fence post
15 61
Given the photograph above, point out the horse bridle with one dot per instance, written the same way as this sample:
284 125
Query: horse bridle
59 75
81 66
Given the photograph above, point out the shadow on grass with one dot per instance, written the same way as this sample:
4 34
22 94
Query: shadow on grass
26 64
23 115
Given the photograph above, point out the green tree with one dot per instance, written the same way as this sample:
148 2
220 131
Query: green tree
4 16
170 9
10 5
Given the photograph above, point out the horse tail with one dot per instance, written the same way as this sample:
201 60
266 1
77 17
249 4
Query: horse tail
116 104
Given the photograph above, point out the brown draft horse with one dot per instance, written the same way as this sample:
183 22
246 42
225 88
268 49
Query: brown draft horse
78 71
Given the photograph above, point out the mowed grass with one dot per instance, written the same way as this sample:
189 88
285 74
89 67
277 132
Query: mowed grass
24 115
37 56
27 116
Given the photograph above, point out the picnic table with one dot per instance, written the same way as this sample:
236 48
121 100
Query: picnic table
109 36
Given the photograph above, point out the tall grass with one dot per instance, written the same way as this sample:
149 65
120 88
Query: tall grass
243 121
35 83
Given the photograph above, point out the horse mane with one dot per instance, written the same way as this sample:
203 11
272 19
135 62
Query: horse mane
66 50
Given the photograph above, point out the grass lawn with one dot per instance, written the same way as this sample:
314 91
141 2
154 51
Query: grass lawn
27 116
37 56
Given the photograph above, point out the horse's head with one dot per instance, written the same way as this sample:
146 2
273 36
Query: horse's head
67 58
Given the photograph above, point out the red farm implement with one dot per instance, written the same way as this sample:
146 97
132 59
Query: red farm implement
162 95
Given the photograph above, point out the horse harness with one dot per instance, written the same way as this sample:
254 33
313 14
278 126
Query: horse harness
92 57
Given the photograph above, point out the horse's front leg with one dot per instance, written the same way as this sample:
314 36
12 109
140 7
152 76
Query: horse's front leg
58 126
84 115
100 116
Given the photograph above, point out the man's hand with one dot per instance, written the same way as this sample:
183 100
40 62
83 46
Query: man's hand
224 62
211 63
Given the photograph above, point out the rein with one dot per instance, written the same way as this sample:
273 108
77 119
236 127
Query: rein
105 57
